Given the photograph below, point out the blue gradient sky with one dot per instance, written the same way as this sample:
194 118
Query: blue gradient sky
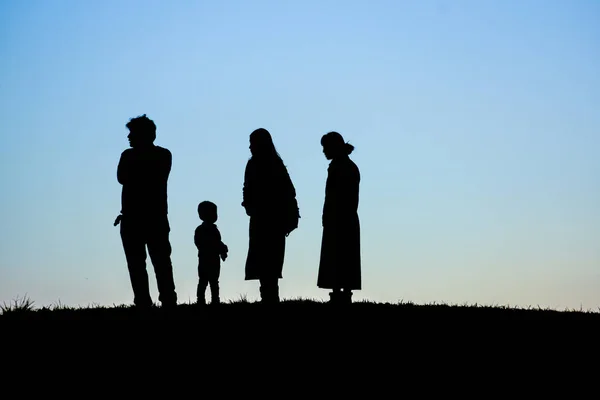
476 128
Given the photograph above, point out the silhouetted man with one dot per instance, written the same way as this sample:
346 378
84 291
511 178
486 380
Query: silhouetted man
143 171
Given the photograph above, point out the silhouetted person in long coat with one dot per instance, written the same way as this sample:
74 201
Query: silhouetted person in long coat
340 263
269 198
143 171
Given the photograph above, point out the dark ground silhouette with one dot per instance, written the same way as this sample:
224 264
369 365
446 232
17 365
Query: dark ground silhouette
396 316
365 344
375 349
143 171
269 198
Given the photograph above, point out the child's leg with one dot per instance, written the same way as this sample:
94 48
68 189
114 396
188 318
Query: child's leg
346 296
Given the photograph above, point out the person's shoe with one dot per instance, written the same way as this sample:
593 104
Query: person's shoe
143 310
169 306
346 297
144 303
144 306
270 300
334 297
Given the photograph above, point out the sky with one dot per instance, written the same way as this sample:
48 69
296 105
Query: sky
475 123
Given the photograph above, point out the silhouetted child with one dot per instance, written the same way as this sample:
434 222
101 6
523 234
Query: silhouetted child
210 252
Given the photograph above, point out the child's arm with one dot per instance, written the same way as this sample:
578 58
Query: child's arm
223 250
197 237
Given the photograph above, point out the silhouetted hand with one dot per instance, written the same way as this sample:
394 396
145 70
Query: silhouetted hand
245 208
224 252
118 220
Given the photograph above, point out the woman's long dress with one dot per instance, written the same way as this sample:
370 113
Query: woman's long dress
340 261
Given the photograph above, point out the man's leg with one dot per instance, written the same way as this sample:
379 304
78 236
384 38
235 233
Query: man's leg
135 253
347 296
275 286
214 290
201 291
159 248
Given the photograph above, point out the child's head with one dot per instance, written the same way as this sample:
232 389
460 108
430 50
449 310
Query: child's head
207 211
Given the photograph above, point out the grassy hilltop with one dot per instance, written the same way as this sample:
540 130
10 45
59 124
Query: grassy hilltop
299 332
24 309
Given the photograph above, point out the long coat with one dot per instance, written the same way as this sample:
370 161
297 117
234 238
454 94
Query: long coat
340 261
269 198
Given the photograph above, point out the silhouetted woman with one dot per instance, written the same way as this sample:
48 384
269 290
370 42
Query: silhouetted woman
340 264
270 201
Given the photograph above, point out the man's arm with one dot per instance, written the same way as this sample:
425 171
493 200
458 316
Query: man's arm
167 164
123 169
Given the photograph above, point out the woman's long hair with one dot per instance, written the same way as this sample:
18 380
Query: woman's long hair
262 145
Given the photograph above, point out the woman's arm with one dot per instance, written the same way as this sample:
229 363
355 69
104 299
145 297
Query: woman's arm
247 190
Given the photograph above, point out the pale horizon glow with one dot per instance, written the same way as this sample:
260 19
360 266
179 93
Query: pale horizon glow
476 128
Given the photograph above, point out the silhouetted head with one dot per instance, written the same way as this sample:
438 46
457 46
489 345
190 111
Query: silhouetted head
142 131
261 144
334 146
207 211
